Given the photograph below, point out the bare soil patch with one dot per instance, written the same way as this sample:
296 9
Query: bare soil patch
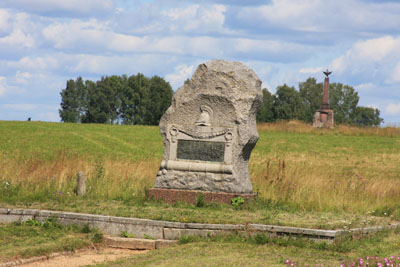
86 257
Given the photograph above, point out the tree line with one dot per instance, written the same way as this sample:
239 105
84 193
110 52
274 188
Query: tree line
138 99
291 104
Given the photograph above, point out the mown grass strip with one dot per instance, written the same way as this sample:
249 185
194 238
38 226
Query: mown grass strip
33 238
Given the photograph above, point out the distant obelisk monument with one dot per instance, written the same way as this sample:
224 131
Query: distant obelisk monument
324 116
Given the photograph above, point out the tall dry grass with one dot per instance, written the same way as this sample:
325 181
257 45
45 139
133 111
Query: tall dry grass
301 127
108 179
314 184
336 179
309 182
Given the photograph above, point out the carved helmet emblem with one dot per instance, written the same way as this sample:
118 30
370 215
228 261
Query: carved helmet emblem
205 116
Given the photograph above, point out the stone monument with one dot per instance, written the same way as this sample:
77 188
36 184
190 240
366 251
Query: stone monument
209 132
324 116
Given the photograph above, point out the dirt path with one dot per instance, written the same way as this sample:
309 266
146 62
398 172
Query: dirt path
86 257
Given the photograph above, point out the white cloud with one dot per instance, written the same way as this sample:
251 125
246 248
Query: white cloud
376 49
93 36
371 60
18 38
365 87
77 33
311 70
396 73
35 63
19 35
190 19
95 64
181 13
285 12
196 18
22 77
393 108
148 64
68 8
321 16
374 106
3 86
4 20
180 74
20 107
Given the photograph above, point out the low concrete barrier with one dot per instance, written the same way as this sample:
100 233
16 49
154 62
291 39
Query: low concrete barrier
141 228
137 243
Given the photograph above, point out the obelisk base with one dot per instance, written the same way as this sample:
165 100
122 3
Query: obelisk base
324 118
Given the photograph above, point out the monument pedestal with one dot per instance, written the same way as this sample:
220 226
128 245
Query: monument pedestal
209 132
189 196
324 118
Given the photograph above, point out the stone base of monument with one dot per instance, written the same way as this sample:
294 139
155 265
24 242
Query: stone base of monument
190 196
324 118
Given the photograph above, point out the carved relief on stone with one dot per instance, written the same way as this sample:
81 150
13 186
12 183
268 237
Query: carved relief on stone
205 115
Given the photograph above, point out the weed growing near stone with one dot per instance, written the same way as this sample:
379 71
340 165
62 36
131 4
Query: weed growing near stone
200 201
237 201
126 234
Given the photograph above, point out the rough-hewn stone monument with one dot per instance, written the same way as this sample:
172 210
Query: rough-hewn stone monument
324 116
209 132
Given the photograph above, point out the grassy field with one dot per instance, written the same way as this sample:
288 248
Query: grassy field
308 177
261 251
33 238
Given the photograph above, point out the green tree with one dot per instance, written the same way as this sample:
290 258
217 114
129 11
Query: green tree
266 113
90 91
116 99
366 116
288 104
134 99
82 94
104 103
343 100
311 95
159 99
70 103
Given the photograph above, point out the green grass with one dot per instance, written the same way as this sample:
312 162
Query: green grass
303 176
265 251
33 238
45 141
344 178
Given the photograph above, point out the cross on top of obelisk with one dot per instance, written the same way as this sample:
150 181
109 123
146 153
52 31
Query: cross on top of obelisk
327 72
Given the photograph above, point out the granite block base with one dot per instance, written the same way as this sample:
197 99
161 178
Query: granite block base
324 118
189 196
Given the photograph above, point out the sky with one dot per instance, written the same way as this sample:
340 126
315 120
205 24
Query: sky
44 43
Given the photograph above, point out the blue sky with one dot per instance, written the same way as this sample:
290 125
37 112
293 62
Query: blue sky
43 43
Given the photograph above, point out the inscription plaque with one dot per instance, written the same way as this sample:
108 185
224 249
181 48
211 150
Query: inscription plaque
201 150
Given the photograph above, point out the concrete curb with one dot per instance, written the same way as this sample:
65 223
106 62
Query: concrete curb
137 243
113 226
